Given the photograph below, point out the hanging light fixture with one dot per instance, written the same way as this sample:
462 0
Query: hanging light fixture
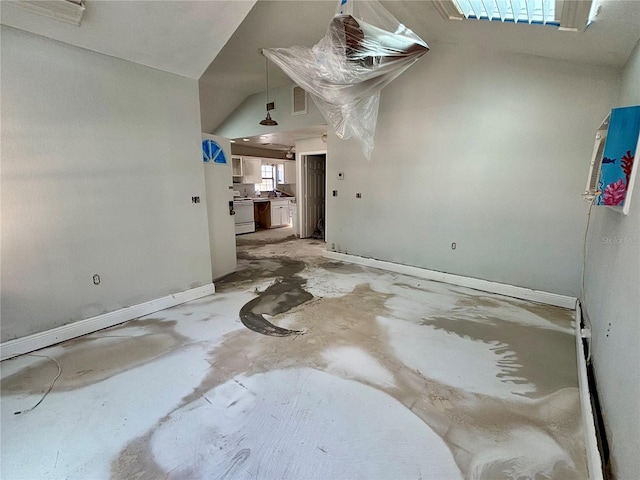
268 121
289 153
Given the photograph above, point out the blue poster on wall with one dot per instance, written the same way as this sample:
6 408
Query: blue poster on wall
618 156
212 152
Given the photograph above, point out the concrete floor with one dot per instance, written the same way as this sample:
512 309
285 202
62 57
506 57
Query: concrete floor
305 368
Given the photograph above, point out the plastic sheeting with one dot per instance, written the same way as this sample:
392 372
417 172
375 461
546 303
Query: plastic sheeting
364 49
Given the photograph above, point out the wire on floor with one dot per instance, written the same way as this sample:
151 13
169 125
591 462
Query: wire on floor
50 386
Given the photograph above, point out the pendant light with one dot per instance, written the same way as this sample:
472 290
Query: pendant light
289 155
268 121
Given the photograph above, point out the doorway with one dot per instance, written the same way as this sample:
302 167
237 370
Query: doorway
313 210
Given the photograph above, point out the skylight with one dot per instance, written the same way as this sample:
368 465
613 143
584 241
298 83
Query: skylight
541 12
566 15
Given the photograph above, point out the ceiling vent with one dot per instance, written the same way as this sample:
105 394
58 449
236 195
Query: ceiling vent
299 101
69 11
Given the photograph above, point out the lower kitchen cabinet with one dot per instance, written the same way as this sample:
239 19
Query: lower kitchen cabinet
279 213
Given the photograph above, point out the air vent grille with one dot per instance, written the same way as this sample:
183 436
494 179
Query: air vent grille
299 101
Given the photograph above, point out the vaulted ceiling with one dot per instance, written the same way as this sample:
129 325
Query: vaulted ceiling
180 37
217 41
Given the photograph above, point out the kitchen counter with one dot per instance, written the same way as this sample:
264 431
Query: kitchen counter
264 199
272 212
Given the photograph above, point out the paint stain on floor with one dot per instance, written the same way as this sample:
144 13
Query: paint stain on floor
331 402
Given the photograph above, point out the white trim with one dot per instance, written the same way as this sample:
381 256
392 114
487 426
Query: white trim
591 442
27 344
68 11
475 283
448 9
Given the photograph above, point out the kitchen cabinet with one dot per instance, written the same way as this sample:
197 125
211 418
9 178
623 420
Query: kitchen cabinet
280 173
236 166
251 170
289 172
246 169
286 172
280 215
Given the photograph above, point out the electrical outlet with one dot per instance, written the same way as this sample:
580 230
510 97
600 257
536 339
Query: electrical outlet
195 199
340 175
335 193
453 246
358 195
96 279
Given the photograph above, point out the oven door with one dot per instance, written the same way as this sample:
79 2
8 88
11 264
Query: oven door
244 216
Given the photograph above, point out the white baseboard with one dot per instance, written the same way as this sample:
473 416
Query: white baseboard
594 462
30 343
475 283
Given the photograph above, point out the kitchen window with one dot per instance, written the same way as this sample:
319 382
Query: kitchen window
267 184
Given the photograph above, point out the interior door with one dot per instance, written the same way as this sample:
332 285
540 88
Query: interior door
315 192
222 225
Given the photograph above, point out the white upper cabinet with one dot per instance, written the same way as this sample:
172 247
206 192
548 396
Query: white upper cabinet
251 170
286 172
236 166
289 172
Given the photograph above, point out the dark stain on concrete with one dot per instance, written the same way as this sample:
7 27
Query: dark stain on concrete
340 267
246 242
562 317
97 357
467 422
541 356
236 462
252 269
279 297
136 461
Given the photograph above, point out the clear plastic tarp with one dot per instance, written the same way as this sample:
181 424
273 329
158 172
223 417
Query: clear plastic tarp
364 49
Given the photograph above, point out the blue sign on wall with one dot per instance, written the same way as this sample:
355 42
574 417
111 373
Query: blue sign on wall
618 156
212 152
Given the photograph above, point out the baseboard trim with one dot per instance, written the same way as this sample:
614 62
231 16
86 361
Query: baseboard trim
469 282
30 343
594 463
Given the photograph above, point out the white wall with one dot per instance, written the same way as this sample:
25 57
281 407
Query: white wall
100 159
612 303
216 104
489 150
245 120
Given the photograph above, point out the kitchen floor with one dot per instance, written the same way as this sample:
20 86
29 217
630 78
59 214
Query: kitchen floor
304 368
